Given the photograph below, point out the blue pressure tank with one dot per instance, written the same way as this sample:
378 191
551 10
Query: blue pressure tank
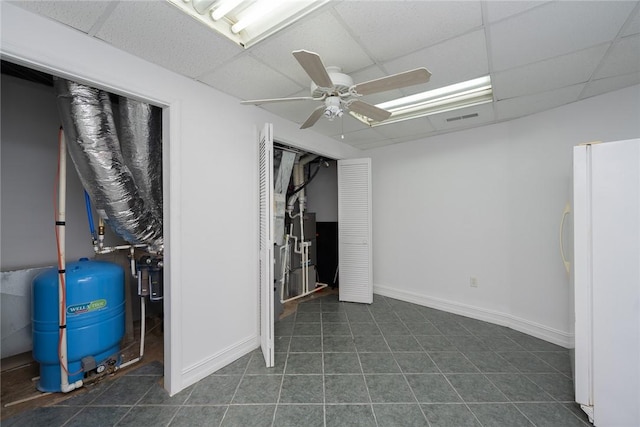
95 310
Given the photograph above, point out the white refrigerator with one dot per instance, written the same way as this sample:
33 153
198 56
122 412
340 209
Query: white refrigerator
606 197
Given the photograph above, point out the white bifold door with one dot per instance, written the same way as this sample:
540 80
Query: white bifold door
266 243
354 231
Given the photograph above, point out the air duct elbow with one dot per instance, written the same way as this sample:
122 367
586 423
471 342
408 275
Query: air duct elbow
94 147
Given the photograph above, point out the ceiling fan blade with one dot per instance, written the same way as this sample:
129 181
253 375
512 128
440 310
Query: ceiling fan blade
368 110
314 67
313 118
267 101
395 81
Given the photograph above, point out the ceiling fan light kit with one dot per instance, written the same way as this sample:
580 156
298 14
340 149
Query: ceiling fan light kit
333 108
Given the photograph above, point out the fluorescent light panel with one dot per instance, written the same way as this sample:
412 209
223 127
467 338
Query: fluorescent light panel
460 95
246 22
224 8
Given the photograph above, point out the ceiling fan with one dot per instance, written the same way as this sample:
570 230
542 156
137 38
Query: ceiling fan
338 93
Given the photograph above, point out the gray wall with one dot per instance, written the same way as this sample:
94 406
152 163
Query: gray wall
29 147
322 194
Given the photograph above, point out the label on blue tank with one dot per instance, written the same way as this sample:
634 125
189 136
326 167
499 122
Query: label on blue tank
87 307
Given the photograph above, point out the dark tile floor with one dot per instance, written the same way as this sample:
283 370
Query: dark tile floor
339 364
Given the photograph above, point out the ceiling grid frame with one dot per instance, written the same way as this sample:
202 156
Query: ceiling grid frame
617 23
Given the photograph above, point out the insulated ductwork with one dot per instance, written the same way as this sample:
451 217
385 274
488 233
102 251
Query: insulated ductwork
140 134
93 145
280 187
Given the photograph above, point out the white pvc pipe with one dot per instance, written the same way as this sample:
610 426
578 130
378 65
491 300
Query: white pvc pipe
134 273
283 266
60 229
109 249
286 263
100 233
295 245
65 387
304 248
315 289
143 316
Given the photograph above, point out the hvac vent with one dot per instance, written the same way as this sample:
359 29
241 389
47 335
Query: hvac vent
466 116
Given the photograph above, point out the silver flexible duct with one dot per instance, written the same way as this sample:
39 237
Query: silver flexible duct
280 187
93 145
140 134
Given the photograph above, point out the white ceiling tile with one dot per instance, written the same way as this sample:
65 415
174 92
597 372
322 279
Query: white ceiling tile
453 61
81 15
339 126
497 10
412 138
417 126
598 87
553 73
543 51
371 145
525 105
485 114
633 25
322 34
162 34
364 136
389 29
246 77
295 111
624 58
554 29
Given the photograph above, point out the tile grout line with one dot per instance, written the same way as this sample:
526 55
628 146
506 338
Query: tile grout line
132 406
437 367
404 376
284 369
244 373
375 417
519 372
82 408
552 374
182 405
324 386
444 375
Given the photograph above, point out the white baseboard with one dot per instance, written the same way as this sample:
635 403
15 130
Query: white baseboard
208 366
537 330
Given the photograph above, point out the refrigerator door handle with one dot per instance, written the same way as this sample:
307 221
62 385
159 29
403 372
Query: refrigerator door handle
565 212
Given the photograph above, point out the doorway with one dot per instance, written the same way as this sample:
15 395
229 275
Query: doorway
305 224
32 160
288 230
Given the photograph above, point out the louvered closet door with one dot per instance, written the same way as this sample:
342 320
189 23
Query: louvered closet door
354 230
266 244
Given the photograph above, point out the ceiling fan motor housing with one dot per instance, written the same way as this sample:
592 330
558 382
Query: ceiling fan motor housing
341 84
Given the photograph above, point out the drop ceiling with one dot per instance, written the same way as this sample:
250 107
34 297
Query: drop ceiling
539 54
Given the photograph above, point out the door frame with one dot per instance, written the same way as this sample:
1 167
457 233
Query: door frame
29 56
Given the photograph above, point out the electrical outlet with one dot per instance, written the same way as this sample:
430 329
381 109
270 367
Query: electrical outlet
473 282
